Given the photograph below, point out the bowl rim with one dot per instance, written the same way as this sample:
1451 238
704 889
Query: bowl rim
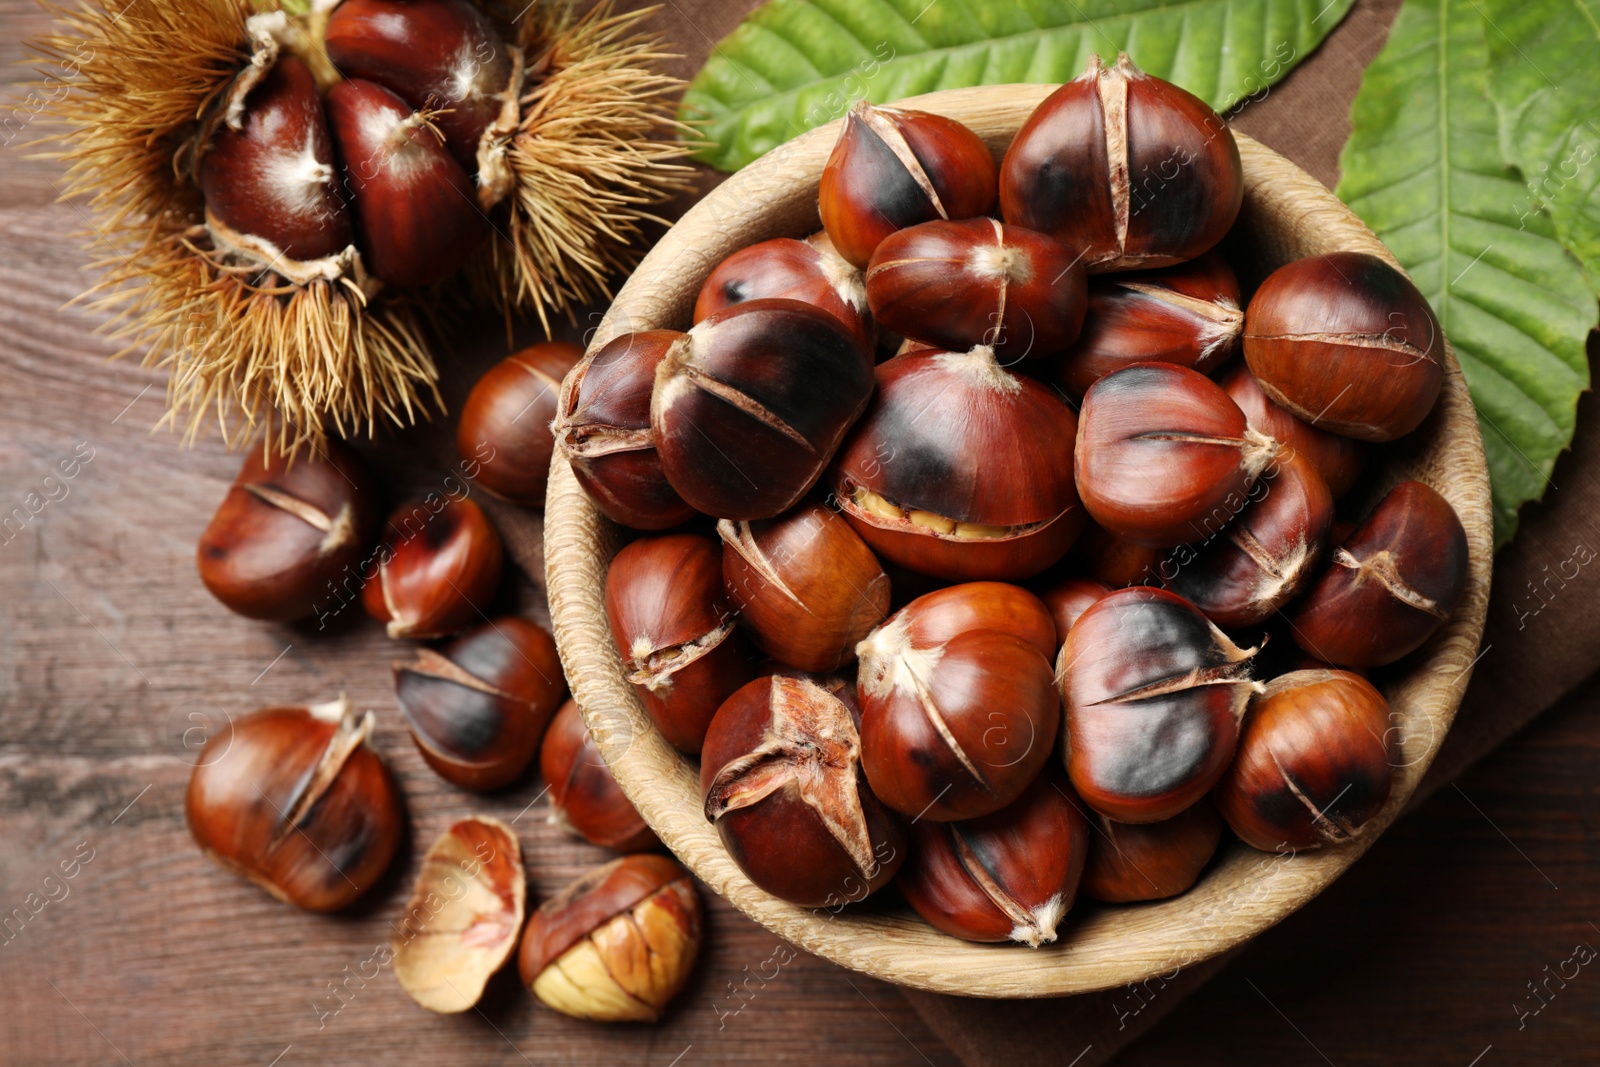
1101 946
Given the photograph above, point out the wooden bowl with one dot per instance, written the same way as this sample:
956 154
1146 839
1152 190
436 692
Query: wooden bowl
1287 215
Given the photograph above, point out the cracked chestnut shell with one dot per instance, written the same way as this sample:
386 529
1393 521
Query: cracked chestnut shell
959 708
1163 456
979 282
1130 168
810 271
617 944
585 798
1313 765
1188 315
1010 875
478 707
751 404
675 631
892 168
286 530
505 422
1130 862
781 779
1347 343
298 802
603 430
1390 585
1154 693
1338 459
438 569
961 469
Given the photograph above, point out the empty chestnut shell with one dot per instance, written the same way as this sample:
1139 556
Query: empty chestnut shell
585 798
505 422
1130 862
478 708
1338 459
438 568
810 271
1010 875
1154 693
1390 585
1313 764
781 779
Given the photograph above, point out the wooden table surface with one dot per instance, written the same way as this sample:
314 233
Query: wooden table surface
110 650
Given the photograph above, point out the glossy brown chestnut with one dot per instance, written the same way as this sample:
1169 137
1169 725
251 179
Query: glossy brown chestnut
805 585
1313 764
961 469
1068 599
1129 862
750 405
478 707
1154 693
1188 315
1347 343
781 779
673 626
809 271
603 430
617 944
979 282
269 173
1261 560
893 168
296 801
1163 456
1010 875
286 529
959 708
1338 459
1132 169
438 569
585 798
505 423
417 209
1390 585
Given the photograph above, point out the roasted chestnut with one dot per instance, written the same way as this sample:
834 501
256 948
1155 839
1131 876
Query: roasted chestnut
1313 764
1068 599
781 779
1338 459
438 568
1130 862
505 423
1390 585
585 798
1154 693
1347 343
811 271
674 628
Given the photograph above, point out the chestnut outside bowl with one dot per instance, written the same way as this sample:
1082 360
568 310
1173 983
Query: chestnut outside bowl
1287 215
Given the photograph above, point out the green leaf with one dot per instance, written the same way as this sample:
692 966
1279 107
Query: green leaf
796 64
1424 168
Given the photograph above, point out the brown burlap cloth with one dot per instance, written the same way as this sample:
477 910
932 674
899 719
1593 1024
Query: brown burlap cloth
1537 646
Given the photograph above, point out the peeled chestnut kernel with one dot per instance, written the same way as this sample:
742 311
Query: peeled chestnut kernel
961 470
417 208
1068 599
298 803
505 423
1010 875
805 585
1261 560
1129 862
1163 456
810 271
1154 693
674 628
979 282
464 917
438 569
585 798
1130 168
603 430
1347 343
286 529
750 405
1390 585
1188 315
893 168
781 779
478 707
959 708
1338 459
617 944
269 173
1313 766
